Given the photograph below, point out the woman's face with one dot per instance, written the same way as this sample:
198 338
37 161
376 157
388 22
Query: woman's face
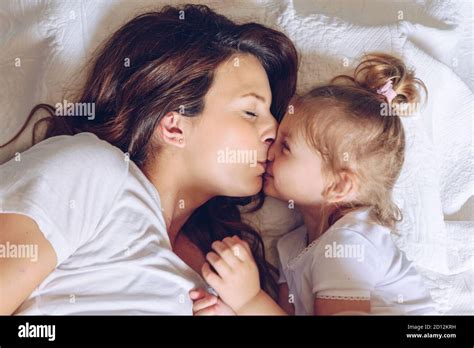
227 145
294 169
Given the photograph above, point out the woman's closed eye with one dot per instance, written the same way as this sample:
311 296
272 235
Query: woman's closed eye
249 113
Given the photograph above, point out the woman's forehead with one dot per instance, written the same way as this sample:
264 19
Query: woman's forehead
242 76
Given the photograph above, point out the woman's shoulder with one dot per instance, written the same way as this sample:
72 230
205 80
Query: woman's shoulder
81 159
72 153
81 146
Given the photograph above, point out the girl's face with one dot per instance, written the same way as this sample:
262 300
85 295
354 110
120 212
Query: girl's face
294 169
226 148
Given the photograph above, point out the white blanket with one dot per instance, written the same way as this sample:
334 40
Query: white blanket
45 44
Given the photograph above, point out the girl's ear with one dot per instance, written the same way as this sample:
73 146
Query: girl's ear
170 129
343 188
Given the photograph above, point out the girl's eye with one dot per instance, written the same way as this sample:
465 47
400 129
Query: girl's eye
249 113
285 146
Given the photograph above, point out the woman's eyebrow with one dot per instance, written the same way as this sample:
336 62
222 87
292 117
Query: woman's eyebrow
255 95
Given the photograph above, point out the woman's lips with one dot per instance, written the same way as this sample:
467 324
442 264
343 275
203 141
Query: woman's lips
267 175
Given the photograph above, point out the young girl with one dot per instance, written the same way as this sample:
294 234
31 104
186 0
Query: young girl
337 157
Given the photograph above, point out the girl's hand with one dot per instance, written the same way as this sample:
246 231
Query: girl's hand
236 281
205 303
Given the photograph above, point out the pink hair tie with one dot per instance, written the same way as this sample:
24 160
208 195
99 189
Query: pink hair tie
387 91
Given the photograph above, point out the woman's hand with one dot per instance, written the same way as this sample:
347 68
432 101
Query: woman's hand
236 281
206 304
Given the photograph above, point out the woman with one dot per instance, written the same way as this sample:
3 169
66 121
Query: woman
122 207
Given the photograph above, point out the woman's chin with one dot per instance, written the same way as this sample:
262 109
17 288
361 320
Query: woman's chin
246 189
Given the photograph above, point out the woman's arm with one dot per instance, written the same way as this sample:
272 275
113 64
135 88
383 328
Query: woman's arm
205 303
237 280
20 276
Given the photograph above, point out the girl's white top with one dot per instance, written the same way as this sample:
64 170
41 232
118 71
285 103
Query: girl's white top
355 259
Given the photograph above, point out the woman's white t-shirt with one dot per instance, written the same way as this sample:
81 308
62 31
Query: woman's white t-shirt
103 218
355 259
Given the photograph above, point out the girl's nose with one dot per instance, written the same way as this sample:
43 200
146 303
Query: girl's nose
271 152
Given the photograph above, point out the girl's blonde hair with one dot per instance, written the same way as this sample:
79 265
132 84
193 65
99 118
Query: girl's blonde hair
347 123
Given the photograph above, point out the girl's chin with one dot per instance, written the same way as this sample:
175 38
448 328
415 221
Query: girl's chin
269 190
268 187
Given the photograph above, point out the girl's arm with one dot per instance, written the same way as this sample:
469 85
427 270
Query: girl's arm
332 306
236 279
261 304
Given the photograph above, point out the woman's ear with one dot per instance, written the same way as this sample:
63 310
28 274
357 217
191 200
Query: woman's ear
170 130
344 189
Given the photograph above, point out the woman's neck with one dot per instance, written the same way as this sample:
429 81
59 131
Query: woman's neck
179 195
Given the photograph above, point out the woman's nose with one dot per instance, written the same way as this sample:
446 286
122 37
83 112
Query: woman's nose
269 130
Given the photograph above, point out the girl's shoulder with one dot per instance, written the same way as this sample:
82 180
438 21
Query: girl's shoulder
358 231
361 223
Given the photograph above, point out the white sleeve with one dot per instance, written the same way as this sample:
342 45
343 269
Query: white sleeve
346 267
67 184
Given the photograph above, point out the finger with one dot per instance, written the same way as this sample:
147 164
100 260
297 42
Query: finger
204 302
197 294
212 310
229 241
241 249
226 252
234 247
210 277
243 242
222 268
246 245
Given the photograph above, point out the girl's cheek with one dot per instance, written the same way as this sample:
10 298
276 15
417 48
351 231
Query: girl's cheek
282 176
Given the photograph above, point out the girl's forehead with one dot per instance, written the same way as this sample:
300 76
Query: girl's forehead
287 125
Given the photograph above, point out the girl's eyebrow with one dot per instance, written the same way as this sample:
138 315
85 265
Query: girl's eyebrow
286 134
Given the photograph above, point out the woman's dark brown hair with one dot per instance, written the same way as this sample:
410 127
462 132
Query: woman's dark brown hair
164 61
